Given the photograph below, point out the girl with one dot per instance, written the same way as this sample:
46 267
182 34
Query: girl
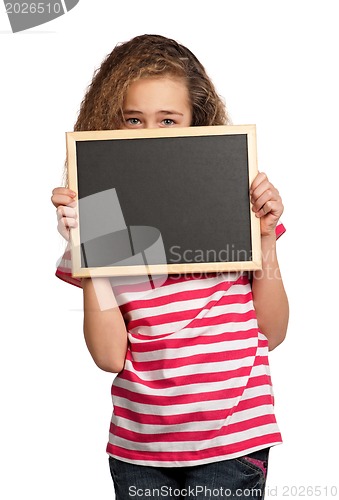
192 399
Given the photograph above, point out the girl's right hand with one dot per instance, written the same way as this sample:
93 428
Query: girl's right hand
64 201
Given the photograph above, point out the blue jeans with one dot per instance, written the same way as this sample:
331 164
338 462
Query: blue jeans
238 478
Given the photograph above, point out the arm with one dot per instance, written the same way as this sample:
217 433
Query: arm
104 327
269 296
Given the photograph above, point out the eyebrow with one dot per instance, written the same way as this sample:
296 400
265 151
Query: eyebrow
163 111
131 111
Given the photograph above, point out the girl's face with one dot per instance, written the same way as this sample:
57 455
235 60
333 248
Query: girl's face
157 103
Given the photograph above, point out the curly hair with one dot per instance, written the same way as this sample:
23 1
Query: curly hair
141 57
147 56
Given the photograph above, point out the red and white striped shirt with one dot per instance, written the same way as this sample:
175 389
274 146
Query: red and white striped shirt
196 385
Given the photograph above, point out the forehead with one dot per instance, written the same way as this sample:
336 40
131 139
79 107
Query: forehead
156 91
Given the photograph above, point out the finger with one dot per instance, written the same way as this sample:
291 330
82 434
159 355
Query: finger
265 185
64 190
272 207
61 199
64 226
267 195
62 196
260 177
68 222
68 211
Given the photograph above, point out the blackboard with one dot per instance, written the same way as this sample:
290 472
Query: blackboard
169 200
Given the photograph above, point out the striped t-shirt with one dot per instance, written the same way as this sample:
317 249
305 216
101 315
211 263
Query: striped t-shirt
196 385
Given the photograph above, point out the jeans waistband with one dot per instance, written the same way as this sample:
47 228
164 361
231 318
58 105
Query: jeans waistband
260 454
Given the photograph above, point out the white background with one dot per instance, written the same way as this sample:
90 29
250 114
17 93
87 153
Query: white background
276 64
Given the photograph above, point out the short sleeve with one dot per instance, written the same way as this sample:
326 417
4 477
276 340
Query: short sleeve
64 269
279 229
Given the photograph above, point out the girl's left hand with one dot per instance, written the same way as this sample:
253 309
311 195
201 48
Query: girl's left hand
267 203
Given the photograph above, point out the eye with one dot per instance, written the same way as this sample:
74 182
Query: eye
132 121
168 122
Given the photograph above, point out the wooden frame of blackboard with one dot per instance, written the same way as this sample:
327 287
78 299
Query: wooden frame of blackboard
221 133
